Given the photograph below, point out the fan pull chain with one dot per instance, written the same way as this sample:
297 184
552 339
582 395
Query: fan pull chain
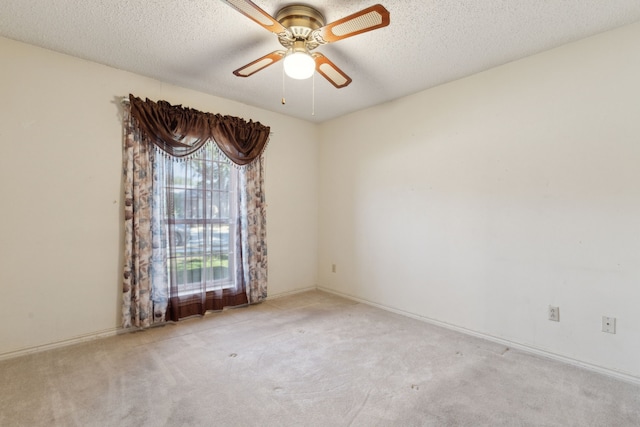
313 95
283 100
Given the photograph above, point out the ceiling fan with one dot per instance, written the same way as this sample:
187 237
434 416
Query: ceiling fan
301 29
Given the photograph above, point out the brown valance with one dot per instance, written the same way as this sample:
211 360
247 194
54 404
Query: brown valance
181 131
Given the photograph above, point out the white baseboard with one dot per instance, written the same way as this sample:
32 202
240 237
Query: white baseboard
289 293
523 347
106 333
64 343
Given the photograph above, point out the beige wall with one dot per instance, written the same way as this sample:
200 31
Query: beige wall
60 192
479 203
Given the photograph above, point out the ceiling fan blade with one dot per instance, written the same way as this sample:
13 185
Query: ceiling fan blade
252 11
368 19
259 64
329 71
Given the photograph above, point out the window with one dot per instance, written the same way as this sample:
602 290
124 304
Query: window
195 225
200 220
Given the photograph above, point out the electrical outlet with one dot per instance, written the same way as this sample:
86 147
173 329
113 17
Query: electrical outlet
333 268
554 313
609 324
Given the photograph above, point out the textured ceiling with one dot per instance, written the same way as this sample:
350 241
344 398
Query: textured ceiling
198 43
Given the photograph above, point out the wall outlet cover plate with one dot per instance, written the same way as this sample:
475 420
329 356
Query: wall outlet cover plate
609 324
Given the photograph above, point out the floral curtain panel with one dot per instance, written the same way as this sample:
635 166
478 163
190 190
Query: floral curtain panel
158 140
137 305
253 225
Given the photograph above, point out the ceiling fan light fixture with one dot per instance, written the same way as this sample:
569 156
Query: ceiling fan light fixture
298 63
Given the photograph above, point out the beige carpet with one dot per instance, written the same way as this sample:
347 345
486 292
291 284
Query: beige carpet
311 359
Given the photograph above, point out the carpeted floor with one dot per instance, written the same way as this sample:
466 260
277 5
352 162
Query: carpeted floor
311 359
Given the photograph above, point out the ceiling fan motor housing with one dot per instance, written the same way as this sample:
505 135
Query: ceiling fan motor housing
301 21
